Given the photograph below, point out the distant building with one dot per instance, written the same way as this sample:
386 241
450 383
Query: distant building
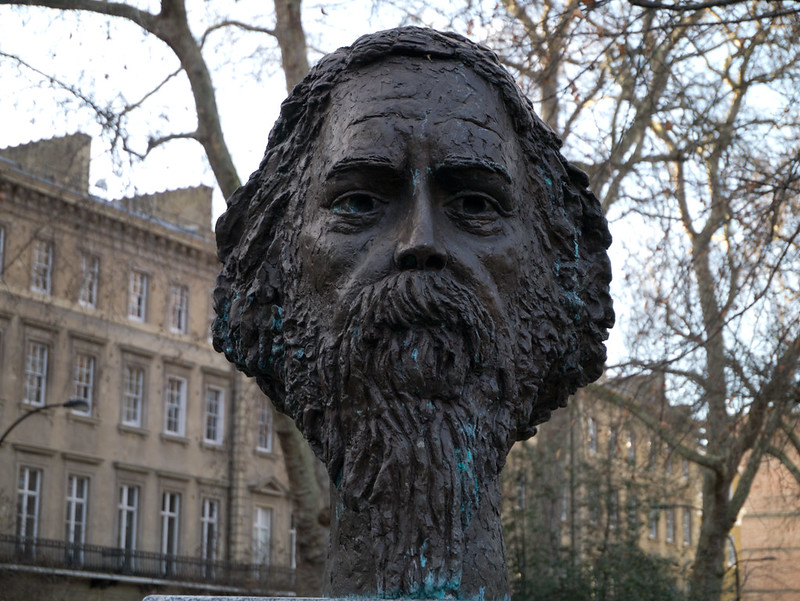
168 479
595 476
764 562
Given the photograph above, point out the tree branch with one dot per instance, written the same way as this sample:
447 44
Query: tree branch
142 18
785 461
607 393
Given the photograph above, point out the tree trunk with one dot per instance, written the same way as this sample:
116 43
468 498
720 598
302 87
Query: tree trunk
308 480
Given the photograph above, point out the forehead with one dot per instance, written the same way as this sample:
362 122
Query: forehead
440 107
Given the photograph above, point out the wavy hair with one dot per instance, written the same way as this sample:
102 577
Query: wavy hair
256 235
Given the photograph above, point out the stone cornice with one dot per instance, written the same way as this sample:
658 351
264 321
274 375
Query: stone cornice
17 187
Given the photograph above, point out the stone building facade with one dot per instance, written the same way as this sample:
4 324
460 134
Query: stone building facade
167 478
595 477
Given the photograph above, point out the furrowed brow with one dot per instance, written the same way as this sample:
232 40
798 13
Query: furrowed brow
456 163
371 163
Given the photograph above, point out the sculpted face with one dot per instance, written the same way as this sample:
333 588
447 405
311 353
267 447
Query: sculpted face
412 246
417 276
417 168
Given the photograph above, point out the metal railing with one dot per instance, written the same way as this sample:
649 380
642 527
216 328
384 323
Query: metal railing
59 554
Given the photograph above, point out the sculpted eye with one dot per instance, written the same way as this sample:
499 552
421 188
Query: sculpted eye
472 204
355 203
475 205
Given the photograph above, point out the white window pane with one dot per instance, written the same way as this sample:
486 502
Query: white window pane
178 308
264 425
137 296
174 406
35 373
42 266
83 381
132 396
90 271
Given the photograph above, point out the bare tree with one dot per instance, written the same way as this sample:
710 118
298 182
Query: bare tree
686 121
171 25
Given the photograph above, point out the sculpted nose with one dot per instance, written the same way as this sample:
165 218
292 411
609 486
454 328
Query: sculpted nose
419 247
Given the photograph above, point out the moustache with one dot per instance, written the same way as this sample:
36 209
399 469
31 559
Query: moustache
420 301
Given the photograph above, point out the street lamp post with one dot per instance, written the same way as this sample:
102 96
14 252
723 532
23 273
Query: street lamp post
70 404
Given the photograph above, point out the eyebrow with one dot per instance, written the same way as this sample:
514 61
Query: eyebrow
460 162
371 162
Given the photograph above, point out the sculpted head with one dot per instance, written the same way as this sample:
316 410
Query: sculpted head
415 275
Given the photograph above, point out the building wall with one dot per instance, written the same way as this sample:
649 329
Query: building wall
167 450
769 534
598 476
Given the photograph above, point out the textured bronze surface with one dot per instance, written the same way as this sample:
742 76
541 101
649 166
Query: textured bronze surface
418 277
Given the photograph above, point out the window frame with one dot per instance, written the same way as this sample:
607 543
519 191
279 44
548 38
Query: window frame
262 536
127 395
178 309
138 292
90 276
175 411
170 530
591 426
264 426
42 266
83 389
127 538
73 502
25 518
2 250
209 529
218 417
687 527
669 518
41 385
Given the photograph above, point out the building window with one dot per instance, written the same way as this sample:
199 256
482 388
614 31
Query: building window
630 447
668 467
262 523
653 524
613 509
42 268
612 442
29 490
292 544
264 442
652 452
170 514
594 500
178 308
35 373
211 316
137 296
83 381
2 250
730 552
90 273
670 515
592 440
685 469
209 527
687 526
175 406
215 404
132 396
128 515
75 526
633 511
564 503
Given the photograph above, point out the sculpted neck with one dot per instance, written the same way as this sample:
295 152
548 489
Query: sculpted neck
379 551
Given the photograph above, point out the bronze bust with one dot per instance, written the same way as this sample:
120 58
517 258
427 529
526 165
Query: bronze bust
418 277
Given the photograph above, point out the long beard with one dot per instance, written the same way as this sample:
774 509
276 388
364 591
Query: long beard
417 422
